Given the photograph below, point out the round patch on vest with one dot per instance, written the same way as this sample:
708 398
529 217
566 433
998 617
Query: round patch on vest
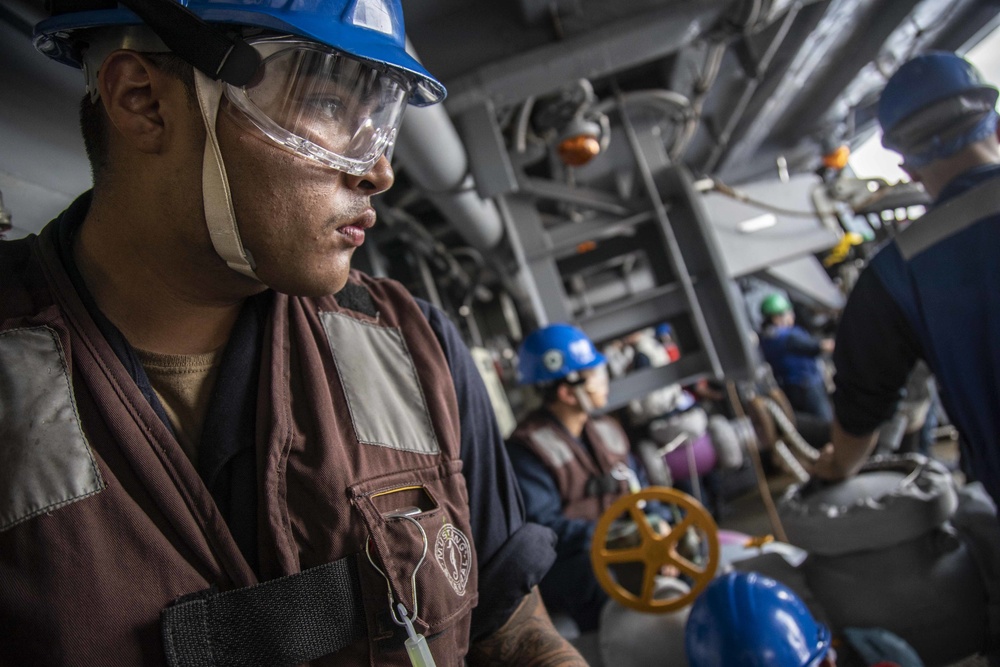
552 360
454 554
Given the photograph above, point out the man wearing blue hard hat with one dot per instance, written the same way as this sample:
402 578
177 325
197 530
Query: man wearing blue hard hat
222 446
932 292
571 463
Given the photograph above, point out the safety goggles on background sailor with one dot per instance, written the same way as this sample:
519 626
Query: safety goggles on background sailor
943 128
594 379
322 104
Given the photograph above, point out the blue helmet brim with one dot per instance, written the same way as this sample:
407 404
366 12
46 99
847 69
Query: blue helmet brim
369 45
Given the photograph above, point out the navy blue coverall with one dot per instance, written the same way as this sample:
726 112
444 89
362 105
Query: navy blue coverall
792 353
943 305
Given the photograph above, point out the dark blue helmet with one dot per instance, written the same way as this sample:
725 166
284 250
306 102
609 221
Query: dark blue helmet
747 619
935 105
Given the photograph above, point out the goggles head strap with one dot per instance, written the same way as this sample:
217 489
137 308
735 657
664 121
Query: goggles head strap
217 198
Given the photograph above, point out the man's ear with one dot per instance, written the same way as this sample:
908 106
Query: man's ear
565 393
131 90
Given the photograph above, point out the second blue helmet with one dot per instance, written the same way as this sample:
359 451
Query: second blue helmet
747 619
556 352
935 105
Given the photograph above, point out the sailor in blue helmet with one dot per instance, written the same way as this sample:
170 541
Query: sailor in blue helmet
222 446
932 292
744 619
665 334
571 462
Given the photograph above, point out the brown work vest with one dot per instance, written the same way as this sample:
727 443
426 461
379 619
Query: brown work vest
104 521
579 476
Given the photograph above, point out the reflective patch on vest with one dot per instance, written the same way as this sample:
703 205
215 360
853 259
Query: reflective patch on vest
553 445
453 553
950 218
45 461
611 437
379 378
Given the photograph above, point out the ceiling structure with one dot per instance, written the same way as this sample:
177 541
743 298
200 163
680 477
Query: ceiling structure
488 220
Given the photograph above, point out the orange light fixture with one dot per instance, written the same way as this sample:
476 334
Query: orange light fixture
579 149
837 158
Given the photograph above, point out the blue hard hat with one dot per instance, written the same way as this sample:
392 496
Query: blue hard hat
744 619
556 352
664 329
367 29
924 84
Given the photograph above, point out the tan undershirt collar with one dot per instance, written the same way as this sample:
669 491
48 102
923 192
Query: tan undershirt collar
183 383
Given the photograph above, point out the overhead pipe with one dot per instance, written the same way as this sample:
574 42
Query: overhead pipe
621 45
432 153
750 87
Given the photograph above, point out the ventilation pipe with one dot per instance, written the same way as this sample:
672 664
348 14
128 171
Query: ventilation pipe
429 149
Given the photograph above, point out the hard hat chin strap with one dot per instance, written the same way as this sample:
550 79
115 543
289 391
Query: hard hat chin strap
218 201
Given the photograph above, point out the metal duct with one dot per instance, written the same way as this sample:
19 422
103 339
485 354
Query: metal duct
623 44
429 149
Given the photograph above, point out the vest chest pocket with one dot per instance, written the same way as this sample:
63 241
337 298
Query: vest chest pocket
419 553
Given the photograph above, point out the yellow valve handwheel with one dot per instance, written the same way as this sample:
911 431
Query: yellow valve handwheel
655 550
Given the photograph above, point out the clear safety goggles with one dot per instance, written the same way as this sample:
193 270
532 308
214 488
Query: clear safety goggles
941 127
322 104
593 380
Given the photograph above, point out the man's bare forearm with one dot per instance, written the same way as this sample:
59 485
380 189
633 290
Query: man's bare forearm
527 639
845 455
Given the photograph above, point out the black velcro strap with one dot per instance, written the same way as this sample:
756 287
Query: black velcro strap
209 50
284 621
57 7
355 297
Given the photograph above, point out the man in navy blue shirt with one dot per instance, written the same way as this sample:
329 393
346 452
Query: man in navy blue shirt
933 292
793 355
